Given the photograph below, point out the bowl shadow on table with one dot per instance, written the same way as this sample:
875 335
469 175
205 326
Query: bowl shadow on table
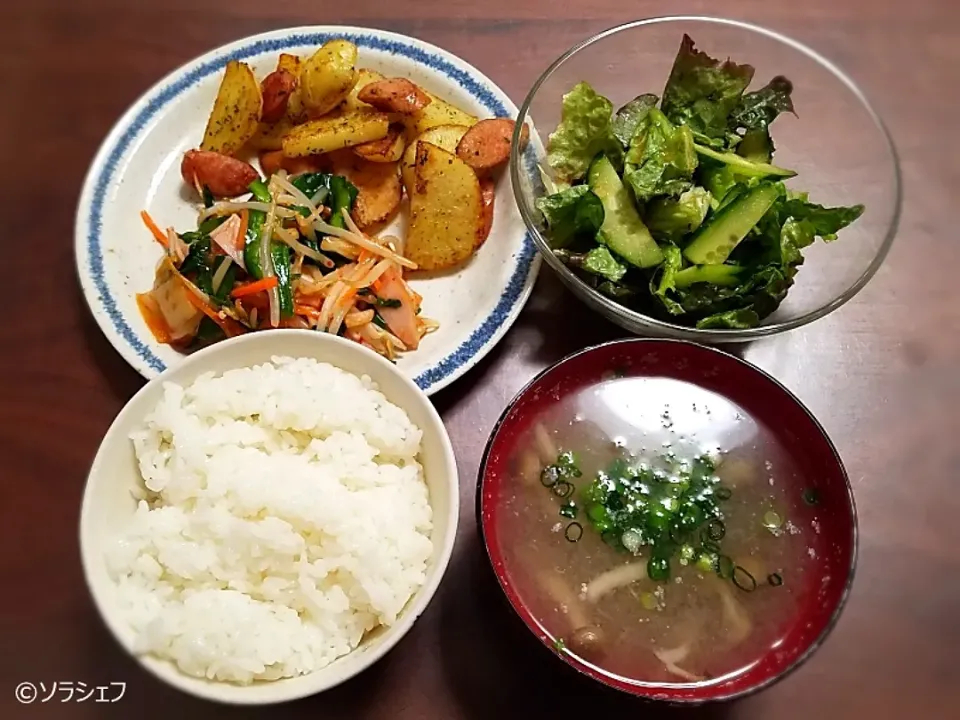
495 668
123 380
552 304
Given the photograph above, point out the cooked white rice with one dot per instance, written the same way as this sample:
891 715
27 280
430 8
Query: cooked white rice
284 515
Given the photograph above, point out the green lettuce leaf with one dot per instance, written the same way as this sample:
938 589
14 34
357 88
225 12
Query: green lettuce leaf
794 223
758 109
672 218
571 212
701 93
661 159
664 280
730 320
585 131
628 117
753 116
600 261
825 222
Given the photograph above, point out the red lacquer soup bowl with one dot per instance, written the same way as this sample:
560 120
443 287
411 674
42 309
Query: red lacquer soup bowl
702 389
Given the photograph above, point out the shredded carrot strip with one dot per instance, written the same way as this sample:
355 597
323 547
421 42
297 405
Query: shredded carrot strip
152 227
266 283
229 328
307 311
242 232
347 296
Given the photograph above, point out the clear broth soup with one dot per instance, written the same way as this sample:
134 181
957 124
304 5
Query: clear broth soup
727 575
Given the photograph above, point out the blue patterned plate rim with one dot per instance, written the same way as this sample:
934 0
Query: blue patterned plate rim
102 174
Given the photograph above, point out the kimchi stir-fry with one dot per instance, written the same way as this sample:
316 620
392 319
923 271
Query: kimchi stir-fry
290 256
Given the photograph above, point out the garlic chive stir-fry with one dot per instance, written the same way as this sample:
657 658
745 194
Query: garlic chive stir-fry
290 256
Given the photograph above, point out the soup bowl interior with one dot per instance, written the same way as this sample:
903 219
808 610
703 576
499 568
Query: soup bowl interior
797 502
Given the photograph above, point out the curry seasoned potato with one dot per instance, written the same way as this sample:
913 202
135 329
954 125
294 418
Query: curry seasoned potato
446 214
387 149
438 112
269 136
328 76
446 137
378 184
365 76
236 111
296 112
335 131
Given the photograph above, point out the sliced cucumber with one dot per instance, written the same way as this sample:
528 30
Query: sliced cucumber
741 166
715 241
622 231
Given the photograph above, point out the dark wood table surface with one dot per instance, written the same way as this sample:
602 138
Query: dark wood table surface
882 373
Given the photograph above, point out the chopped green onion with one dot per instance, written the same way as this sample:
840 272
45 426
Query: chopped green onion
631 540
725 567
658 568
569 510
563 489
549 476
743 579
687 554
573 532
649 601
716 530
707 562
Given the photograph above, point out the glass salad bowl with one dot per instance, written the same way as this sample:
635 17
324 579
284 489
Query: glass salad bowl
835 142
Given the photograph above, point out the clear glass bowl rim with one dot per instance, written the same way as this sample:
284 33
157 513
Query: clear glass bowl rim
661 327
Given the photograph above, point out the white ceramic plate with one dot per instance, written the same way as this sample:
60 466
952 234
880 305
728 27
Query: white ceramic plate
138 167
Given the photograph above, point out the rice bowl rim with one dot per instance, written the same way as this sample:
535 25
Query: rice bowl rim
323 348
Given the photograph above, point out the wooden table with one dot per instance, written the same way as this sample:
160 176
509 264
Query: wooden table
881 373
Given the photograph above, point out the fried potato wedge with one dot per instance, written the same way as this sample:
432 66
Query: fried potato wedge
236 111
296 112
269 136
378 185
365 76
446 137
328 76
445 210
394 95
487 144
438 112
334 132
387 149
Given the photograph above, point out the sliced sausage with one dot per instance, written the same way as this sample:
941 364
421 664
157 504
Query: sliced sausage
486 209
276 89
223 175
397 95
487 144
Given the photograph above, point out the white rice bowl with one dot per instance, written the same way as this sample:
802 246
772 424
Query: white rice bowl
284 515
